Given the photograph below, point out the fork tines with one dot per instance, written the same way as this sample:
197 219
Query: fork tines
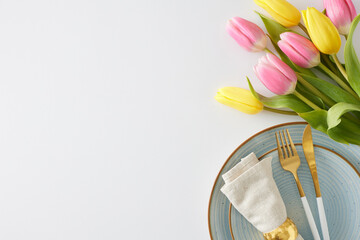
285 152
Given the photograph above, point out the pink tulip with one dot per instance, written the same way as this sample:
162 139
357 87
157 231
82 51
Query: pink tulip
247 34
341 13
276 75
299 49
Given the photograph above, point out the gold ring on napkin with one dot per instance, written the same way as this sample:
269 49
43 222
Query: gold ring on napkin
286 231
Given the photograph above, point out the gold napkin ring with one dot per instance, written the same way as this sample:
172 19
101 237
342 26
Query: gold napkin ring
286 231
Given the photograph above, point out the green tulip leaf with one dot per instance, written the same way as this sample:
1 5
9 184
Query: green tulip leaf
342 129
281 101
339 109
252 90
313 98
351 60
345 131
317 119
274 28
329 62
285 101
336 93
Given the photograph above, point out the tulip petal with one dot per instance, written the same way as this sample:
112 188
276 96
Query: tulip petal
240 99
238 36
249 29
282 67
341 13
308 50
283 12
247 34
322 31
299 49
304 17
274 80
260 44
294 55
352 9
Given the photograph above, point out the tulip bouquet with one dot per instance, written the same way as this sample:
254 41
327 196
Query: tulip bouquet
303 71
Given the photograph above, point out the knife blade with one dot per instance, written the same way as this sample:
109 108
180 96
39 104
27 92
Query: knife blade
308 147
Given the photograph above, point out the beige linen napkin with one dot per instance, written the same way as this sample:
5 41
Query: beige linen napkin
252 190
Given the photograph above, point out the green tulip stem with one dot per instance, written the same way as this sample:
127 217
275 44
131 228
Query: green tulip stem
338 80
328 101
340 66
329 63
307 101
304 29
268 51
279 111
346 36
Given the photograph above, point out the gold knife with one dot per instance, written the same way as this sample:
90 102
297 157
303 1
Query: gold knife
310 158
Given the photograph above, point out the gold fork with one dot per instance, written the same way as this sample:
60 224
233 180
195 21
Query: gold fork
290 161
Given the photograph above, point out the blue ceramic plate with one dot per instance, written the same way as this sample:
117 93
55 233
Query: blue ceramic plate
338 168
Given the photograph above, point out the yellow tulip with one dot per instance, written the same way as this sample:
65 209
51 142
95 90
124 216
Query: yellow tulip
322 31
240 99
283 12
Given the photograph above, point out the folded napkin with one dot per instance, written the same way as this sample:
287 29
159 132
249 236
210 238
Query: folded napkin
251 189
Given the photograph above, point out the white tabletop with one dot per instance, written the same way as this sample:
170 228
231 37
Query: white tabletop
109 128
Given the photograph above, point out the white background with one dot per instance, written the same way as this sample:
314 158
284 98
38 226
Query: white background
108 127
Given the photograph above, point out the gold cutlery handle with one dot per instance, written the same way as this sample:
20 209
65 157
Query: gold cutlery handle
316 183
301 190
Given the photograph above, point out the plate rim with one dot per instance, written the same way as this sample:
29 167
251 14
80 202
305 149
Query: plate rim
243 143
